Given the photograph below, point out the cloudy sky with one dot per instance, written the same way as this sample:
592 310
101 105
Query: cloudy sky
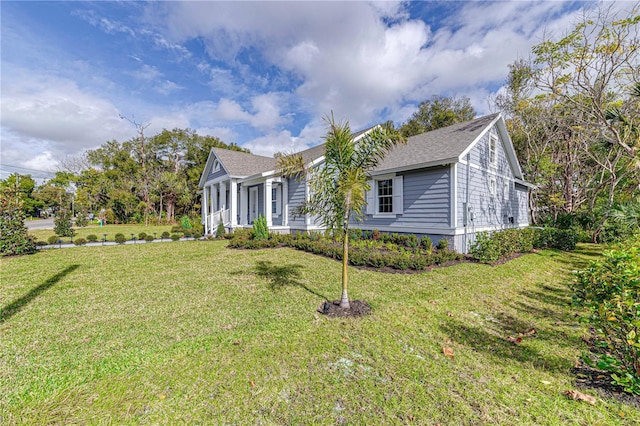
261 74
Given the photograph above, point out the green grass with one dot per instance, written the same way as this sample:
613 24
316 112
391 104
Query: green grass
99 231
194 333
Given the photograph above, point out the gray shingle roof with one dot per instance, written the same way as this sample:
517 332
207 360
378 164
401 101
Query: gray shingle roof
436 146
308 155
243 164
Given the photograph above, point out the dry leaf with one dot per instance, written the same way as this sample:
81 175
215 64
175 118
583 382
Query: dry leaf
344 339
252 384
447 352
529 332
545 382
163 396
515 340
449 314
433 302
237 342
579 396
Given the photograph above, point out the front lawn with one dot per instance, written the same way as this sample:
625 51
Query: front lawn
194 333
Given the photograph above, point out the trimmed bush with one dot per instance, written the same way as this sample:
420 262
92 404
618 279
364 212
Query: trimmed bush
120 238
164 235
187 234
220 230
53 239
185 223
149 238
41 243
92 238
426 244
260 230
197 235
80 241
142 235
610 290
443 244
175 237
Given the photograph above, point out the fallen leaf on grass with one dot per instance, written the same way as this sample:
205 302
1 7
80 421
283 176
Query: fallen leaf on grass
448 352
163 396
449 314
344 339
529 332
545 382
579 396
433 302
253 385
237 342
514 340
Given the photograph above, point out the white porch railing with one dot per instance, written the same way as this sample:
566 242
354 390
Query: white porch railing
214 219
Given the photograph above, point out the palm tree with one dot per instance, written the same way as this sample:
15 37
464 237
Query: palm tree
339 185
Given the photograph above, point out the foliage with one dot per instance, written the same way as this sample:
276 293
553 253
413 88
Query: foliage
437 112
54 239
426 244
92 238
610 290
119 238
443 244
185 223
81 219
148 238
338 187
220 230
80 241
260 229
62 223
14 236
142 235
24 185
165 235
175 237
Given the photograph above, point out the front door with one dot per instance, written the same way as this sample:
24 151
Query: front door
253 204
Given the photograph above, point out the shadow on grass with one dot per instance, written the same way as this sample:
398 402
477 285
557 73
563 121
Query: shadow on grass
16 306
283 276
484 341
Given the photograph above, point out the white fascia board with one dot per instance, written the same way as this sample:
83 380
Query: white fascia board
207 169
480 136
444 162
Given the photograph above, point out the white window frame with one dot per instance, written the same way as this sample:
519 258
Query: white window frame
216 165
506 190
492 187
276 194
493 149
373 200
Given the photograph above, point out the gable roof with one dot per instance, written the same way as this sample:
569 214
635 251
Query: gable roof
437 147
237 164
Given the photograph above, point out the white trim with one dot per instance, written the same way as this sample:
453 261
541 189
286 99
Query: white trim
233 203
479 137
493 140
493 172
285 202
411 167
268 185
453 204
253 195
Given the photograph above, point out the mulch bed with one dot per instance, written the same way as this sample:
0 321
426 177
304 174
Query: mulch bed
600 381
357 308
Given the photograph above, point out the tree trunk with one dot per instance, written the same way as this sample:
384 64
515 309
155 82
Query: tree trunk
344 300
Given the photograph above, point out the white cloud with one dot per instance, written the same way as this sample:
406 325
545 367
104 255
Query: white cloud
146 72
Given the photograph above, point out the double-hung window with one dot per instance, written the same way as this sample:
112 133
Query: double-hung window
275 200
385 197
493 143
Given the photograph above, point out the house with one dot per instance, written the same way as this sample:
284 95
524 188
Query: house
449 183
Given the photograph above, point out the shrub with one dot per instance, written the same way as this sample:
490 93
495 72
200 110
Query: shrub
81 219
610 290
120 238
62 223
197 235
14 236
92 238
565 239
149 238
176 229
187 234
53 239
443 244
375 235
41 243
484 249
220 230
185 223
426 244
142 236
175 237
80 242
164 235
260 230
109 216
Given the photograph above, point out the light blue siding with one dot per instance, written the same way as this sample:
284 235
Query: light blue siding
426 201
296 194
214 175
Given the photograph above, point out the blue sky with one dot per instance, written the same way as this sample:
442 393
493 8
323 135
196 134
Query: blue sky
261 74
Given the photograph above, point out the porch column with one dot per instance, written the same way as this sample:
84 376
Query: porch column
223 195
212 205
233 203
268 214
285 202
307 197
205 210
244 201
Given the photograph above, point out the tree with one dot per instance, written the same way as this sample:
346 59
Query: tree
25 186
339 185
62 224
14 236
437 112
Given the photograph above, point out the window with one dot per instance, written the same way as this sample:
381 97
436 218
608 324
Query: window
385 196
506 191
492 186
493 142
274 201
216 166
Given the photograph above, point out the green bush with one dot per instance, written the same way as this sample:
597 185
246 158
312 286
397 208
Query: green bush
175 237
220 230
197 235
187 234
426 244
142 236
14 235
80 241
565 239
260 230
443 244
149 238
176 229
81 219
53 239
120 238
185 223
610 290
484 249
92 238
41 243
62 224
164 235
